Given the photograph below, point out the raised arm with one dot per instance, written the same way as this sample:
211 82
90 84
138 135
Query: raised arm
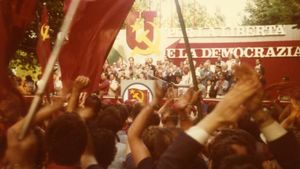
138 148
282 143
182 152
79 84
23 153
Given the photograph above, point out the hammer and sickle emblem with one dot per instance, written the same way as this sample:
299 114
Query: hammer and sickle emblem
138 95
45 32
152 46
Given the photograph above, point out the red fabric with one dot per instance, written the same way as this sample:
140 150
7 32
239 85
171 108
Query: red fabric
15 15
93 32
43 49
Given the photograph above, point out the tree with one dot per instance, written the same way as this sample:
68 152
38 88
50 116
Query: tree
195 14
269 12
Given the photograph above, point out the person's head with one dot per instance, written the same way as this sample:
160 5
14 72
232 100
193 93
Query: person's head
257 61
206 65
240 162
28 78
123 112
92 101
103 76
109 119
218 68
12 107
104 147
221 76
208 82
136 109
66 138
169 118
186 70
178 77
230 142
112 76
157 140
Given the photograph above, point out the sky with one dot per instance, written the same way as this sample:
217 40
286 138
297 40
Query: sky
232 10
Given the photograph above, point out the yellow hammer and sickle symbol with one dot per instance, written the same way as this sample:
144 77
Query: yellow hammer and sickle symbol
153 47
45 32
135 95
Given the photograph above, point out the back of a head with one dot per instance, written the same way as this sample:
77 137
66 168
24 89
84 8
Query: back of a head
230 142
123 111
66 138
136 109
93 102
169 118
157 140
240 162
104 146
109 119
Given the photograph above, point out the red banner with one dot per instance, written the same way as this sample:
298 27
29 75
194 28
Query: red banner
43 48
279 58
93 32
139 95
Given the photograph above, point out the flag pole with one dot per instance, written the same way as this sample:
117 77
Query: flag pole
189 55
49 67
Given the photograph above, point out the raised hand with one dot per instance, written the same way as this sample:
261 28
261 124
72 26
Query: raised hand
80 83
233 104
235 101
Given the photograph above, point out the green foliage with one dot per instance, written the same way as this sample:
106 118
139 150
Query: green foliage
195 15
141 5
25 64
268 12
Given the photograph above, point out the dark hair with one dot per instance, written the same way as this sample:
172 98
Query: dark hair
109 119
240 162
222 145
28 78
104 146
157 140
136 109
2 143
123 111
169 116
154 119
66 138
94 102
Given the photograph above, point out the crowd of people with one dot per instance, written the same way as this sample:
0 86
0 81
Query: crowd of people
214 79
240 132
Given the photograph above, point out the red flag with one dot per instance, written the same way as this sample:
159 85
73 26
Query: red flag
43 48
93 32
15 15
